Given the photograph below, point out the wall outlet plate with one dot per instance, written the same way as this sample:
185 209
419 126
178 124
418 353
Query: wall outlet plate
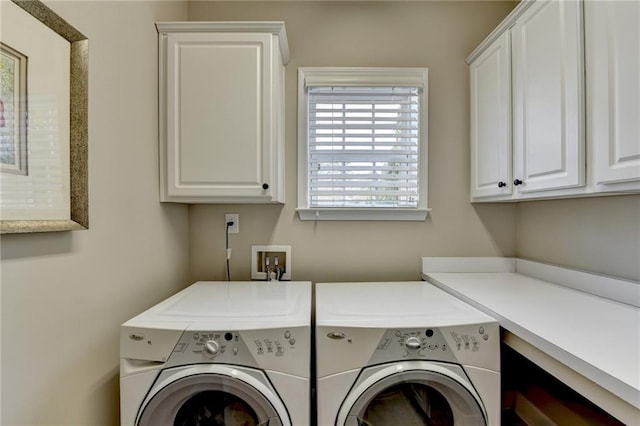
235 218
259 254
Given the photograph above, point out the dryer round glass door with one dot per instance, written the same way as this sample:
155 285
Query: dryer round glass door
209 399
414 397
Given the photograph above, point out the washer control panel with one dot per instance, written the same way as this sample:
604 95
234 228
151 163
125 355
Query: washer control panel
249 348
210 346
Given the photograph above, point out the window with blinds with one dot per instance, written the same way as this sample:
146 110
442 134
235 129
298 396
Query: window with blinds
362 141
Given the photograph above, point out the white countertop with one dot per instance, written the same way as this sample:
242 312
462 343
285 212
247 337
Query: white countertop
595 336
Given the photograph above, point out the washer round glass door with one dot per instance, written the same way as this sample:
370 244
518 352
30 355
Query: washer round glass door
210 399
412 397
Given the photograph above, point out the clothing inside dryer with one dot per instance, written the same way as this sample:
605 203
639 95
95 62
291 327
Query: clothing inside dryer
216 408
407 404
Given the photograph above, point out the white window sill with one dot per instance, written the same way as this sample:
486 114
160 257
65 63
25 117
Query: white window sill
362 214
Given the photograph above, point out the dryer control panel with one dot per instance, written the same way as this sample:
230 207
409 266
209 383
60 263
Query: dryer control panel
414 343
473 344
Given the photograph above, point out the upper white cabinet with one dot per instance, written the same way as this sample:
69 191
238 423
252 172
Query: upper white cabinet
221 118
548 92
564 141
613 87
491 120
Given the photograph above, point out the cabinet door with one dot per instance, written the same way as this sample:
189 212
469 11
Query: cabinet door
613 84
219 123
491 120
549 146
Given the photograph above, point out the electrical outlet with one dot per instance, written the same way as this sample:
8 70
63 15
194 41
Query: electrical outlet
235 218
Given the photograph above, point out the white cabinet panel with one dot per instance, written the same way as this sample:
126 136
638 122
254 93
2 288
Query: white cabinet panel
613 84
549 146
491 120
221 113
219 141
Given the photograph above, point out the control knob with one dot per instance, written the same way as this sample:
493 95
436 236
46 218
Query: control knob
212 348
413 343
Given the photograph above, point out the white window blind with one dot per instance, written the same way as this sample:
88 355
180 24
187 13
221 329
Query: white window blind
363 146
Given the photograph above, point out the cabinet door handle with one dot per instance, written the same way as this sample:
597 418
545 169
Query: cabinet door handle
501 184
517 182
265 186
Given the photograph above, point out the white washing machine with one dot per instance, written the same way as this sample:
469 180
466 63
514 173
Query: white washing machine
233 353
404 353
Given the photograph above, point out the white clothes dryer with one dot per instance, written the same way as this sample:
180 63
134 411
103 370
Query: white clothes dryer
219 353
404 353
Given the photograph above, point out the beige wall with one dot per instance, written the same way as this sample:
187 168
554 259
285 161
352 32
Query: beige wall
436 35
595 234
64 295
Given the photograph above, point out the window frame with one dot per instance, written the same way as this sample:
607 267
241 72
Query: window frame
357 76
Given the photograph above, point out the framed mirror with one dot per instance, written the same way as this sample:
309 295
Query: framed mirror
43 121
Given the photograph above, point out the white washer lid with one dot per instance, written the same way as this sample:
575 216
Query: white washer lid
391 304
232 305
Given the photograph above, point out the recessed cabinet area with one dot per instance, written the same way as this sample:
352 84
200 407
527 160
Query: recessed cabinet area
221 129
554 102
